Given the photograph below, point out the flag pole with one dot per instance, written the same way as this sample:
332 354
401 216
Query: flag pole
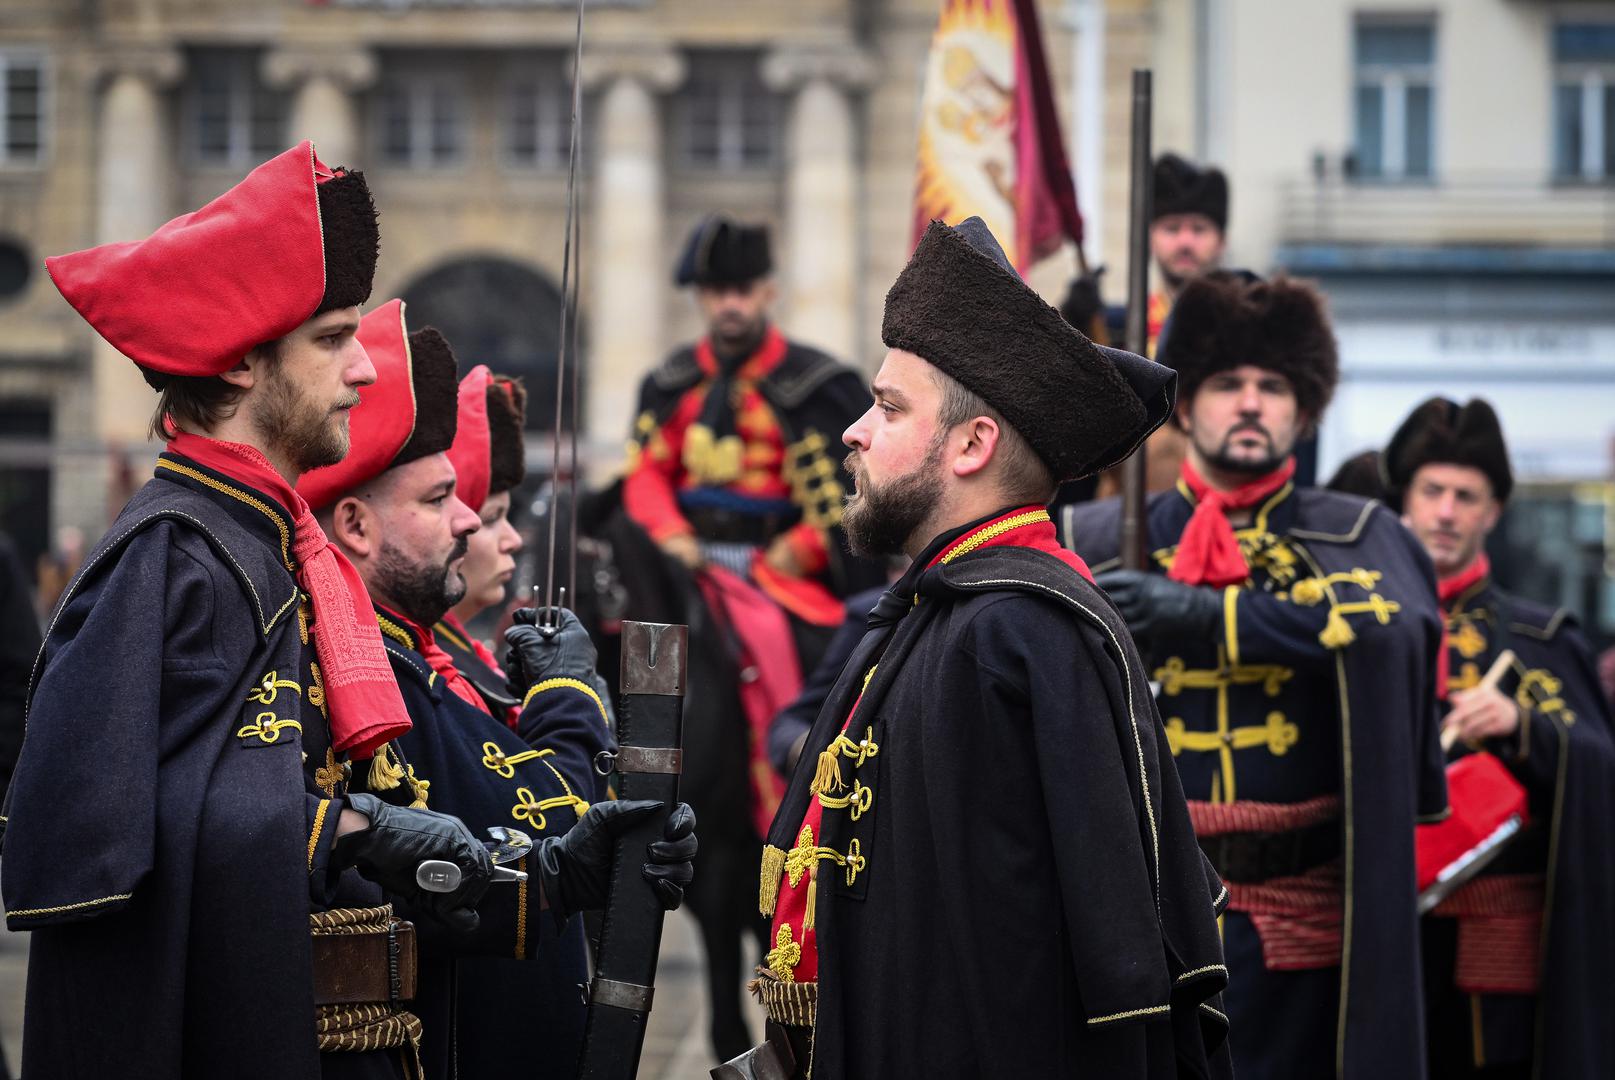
1134 539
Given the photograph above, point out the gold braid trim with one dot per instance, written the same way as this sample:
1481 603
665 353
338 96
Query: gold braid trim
793 1003
768 880
349 1029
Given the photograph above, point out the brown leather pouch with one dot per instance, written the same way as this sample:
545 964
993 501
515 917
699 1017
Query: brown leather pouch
375 966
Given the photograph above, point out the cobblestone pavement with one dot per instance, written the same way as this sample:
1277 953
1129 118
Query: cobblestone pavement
675 1041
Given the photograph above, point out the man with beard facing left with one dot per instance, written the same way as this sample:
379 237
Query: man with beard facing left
391 507
983 865
1517 959
1293 634
171 840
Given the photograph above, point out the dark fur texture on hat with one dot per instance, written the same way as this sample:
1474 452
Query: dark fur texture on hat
352 240
721 251
437 402
1360 475
959 308
1225 319
1181 188
1440 431
507 413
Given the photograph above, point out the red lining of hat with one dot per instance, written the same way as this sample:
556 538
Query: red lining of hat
472 452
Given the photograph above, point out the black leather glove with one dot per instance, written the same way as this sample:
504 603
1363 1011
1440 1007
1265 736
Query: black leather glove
533 656
399 840
1155 605
575 869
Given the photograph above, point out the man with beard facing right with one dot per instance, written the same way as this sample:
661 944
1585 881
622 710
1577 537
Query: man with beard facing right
983 865
1294 636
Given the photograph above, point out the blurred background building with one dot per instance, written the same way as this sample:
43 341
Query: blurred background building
1443 167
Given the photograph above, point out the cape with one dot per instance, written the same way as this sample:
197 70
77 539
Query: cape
1568 768
539 779
1024 895
1392 766
164 855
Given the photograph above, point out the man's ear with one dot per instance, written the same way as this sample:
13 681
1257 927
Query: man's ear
247 370
981 440
353 527
1180 414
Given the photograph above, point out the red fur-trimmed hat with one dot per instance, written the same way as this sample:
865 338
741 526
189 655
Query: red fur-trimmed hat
409 412
489 451
291 240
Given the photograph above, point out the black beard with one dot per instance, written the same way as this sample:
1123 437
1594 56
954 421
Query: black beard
424 592
1222 458
880 520
742 345
303 433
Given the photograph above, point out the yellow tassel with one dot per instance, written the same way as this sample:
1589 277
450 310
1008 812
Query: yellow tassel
1337 632
768 879
384 775
827 777
1307 591
808 920
419 787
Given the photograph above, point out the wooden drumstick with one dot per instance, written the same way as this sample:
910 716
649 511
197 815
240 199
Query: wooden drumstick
1493 676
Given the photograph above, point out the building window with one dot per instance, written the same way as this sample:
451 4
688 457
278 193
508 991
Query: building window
1395 100
727 119
22 108
423 120
235 120
537 114
1584 101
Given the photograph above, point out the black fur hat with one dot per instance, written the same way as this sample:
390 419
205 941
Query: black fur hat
721 251
959 305
437 396
352 240
507 414
1180 188
1227 318
1360 475
1441 430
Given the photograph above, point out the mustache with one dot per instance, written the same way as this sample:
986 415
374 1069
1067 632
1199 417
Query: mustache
349 402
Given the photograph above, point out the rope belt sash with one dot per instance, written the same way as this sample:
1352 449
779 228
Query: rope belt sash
364 965
1499 933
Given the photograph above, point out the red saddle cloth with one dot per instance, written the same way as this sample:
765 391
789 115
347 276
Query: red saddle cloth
1483 796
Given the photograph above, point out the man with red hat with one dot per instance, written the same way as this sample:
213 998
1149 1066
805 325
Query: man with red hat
392 508
177 837
1293 636
1516 959
983 865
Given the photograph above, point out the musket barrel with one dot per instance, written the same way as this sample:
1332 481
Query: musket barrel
1134 541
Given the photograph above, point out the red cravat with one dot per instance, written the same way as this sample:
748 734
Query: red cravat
440 661
1208 553
1448 590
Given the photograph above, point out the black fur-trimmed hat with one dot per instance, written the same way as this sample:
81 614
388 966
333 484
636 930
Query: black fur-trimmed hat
1228 318
1181 188
1441 430
507 415
352 239
721 251
960 306
433 371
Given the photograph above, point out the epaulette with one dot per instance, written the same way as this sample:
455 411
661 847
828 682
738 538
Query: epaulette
1333 517
1534 620
803 371
678 372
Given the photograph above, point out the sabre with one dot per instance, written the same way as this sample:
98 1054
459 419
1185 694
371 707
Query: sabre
1134 538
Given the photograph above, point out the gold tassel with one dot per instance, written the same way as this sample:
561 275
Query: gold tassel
581 807
419 787
384 775
768 880
1307 591
808 920
1337 632
827 777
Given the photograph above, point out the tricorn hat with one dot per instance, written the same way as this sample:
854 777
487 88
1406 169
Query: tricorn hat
960 306
721 251
1440 431
409 412
293 239
1181 188
489 451
1225 319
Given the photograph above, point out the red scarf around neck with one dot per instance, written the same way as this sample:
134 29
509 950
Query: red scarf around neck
1450 588
1208 553
440 661
361 694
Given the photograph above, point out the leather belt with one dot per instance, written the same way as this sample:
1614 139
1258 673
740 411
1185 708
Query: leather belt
1250 858
367 966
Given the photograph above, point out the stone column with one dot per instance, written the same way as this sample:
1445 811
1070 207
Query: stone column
324 82
625 267
133 181
820 256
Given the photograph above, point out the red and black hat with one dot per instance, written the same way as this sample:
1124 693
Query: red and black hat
489 451
961 307
409 412
1441 431
293 239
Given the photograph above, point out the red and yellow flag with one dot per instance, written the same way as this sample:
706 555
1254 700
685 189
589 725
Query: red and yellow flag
989 136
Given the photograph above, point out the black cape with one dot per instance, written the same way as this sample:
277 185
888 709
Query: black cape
1033 902
1568 769
1392 767
165 862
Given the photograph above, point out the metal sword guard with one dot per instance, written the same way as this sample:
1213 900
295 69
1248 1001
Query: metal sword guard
505 847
